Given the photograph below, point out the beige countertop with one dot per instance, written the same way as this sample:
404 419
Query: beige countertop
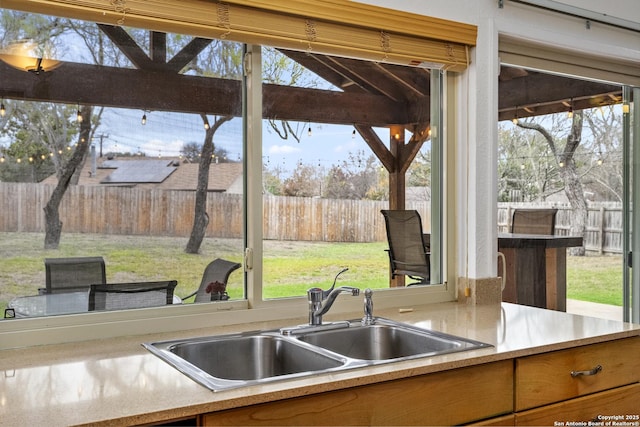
118 382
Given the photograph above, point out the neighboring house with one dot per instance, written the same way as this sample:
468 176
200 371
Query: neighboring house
167 173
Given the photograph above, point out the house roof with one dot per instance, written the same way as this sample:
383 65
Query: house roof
166 173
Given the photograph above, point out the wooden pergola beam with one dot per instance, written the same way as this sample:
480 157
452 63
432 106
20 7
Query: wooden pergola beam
74 83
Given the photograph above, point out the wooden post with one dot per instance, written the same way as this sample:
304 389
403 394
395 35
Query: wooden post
397 184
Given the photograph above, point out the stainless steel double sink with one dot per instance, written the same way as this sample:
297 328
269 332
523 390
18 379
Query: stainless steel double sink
222 362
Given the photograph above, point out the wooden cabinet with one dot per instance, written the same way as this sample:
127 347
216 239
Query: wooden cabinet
546 378
534 390
445 398
620 402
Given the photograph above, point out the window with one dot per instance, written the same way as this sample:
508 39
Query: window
167 124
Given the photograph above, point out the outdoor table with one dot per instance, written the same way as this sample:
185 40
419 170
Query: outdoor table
55 304
536 269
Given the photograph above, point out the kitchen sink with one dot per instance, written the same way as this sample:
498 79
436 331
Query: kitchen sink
387 340
236 360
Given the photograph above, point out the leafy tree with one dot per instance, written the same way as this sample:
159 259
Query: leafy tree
191 151
306 181
353 178
419 174
272 180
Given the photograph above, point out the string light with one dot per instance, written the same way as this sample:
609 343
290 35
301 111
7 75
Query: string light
309 131
625 108
570 112
353 134
144 119
79 115
515 118
3 111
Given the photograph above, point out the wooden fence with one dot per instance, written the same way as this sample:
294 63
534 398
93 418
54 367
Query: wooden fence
132 211
603 233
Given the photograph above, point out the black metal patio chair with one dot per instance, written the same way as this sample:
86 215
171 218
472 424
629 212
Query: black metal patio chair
121 296
534 221
408 251
215 277
73 274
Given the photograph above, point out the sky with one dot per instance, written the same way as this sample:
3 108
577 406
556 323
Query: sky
164 134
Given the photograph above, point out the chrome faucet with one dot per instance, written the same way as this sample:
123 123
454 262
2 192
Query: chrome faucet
316 296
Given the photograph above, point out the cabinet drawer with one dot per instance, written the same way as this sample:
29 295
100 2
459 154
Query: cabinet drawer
546 378
445 398
622 402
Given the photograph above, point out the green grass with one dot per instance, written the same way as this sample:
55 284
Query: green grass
595 279
290 268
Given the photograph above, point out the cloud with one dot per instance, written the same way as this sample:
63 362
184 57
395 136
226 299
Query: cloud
284 149
348 147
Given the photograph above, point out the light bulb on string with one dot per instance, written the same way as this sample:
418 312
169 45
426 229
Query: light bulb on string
79 115
515 118
309 131
353 134
3 111
144 119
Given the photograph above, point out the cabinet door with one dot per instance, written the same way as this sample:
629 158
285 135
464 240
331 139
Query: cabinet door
546 378
622 402
445 398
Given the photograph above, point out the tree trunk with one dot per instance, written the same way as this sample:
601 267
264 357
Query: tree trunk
201 218
569 174
53 225
572 185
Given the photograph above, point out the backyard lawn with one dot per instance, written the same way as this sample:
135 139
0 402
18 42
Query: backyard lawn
290 268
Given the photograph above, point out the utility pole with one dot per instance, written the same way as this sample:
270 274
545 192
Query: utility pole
102 137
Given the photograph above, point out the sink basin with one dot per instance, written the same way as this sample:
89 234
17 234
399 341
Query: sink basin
229 361
252 357
387 340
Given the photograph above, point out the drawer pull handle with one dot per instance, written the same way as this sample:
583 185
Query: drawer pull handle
587 373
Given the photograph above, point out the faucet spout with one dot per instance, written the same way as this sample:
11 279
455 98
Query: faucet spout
317 309
316 296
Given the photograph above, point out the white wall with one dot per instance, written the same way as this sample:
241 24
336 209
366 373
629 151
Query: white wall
477 142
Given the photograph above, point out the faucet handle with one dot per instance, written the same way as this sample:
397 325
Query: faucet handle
325 294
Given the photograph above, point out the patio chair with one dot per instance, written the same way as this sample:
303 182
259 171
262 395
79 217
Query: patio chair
215 274
120 296
534 221
408 251
73 274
